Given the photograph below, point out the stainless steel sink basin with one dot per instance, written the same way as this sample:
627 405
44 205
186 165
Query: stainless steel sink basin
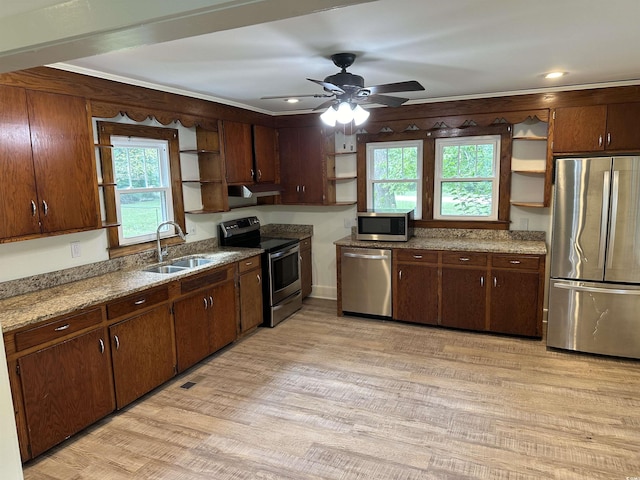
191 262
165 269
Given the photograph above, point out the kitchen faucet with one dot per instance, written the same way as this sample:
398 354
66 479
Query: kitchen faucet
162 252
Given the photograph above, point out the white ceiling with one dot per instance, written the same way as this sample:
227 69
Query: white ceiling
455 48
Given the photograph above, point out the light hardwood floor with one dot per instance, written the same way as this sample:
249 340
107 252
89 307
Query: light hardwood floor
323 397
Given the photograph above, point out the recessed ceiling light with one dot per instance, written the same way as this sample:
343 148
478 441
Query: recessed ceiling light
292 100
554 74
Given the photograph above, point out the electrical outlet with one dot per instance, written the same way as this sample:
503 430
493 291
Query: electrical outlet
192 229
75 249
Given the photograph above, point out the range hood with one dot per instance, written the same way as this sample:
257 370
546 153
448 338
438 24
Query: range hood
254 190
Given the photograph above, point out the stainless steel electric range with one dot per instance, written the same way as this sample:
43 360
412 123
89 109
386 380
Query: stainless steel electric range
280 266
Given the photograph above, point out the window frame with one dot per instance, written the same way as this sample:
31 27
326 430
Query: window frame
418 143
439 180
428 171
105 131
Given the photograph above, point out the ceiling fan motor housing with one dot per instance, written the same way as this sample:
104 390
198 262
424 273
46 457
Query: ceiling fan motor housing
345 80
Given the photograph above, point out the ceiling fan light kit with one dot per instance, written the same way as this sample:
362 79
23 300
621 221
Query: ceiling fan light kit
349 92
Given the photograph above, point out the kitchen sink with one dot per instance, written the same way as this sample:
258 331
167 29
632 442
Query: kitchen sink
165 269
191 262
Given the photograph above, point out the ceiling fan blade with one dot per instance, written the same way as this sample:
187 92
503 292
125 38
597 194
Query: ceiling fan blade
409 86
307 95
326 104
383 99
328 86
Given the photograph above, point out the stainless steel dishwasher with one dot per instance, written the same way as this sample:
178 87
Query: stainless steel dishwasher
366 281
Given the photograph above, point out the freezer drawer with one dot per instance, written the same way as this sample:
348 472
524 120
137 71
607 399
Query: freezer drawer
594 317
366 281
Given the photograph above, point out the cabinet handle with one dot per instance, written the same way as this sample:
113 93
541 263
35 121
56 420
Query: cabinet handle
600 141
252 173
399 274
117 340
248 264
515 262
210 301
304 187
101 342
206 305
464 259
259 279
259 174
609 138
63 327
140 302
417 256
495 281
45 207
298 188
482 281
34 208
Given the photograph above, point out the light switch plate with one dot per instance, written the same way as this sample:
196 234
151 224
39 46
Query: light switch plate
75 249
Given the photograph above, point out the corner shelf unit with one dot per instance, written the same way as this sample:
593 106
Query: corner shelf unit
529 175
211 173
341 169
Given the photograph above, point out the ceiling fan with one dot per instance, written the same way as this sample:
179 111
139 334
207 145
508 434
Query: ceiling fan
347 92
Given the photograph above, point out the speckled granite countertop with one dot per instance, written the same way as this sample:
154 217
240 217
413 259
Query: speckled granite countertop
301 232
41 305
489 241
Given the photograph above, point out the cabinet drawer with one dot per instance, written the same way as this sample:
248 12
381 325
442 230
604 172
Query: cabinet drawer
305 244
412 255
516 261
464 258
138 301
57 329
249 264
207 279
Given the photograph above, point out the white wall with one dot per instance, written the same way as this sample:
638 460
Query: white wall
10 463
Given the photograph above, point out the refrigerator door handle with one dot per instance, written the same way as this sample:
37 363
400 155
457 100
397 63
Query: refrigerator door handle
614 215
604 219
584 288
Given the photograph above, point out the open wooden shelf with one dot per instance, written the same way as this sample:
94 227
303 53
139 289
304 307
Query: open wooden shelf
529 172
337 179
528 204
196 151
529 138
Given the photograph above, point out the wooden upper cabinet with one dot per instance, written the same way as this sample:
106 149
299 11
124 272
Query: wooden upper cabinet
302 173
265 150
597 128
47 163
238 152
18 197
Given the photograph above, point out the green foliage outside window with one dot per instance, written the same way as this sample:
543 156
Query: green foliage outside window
399 168
462 197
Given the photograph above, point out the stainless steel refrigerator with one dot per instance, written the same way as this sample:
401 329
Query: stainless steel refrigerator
594 295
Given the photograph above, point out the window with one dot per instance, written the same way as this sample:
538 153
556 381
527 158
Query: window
141 174
143 188
394 175
466 179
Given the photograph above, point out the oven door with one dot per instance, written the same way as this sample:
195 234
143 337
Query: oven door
284 272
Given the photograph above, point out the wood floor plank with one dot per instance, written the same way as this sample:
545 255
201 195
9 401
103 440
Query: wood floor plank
322 397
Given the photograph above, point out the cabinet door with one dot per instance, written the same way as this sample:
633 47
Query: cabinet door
143 355
290 165
579 129
416 293
306 268
265 149
18 198
250 300
464 298
66 387
64 162
225 324
238 152
191 317
622 126
514 302
312 173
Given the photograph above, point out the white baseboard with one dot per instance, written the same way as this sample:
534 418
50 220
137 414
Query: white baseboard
325 292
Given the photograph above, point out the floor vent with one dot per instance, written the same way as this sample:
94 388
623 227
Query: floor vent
187 385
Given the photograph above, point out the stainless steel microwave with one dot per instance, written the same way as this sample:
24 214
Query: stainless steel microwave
385 225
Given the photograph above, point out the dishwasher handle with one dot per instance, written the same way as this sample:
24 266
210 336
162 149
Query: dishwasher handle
366 257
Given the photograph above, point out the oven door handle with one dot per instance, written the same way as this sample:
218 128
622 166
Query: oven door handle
288 251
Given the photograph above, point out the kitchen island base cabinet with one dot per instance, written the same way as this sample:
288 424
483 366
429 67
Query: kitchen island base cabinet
65 388
142 348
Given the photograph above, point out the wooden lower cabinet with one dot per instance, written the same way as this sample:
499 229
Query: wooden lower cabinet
415 286
65 388
142 348
251 313
464 298
225 326
306 268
